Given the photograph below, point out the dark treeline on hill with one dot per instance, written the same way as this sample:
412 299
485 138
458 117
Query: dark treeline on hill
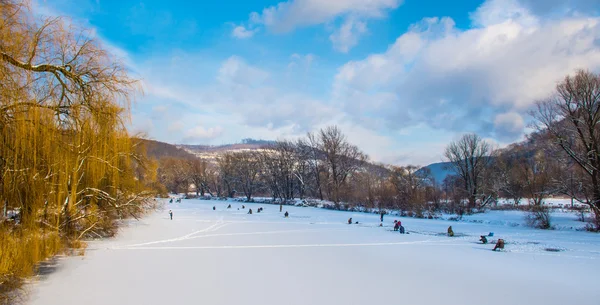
257 142
560 159
68 168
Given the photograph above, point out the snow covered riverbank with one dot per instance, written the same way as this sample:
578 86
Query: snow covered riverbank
314 257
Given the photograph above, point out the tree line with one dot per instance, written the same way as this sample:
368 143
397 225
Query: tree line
68 167
560 158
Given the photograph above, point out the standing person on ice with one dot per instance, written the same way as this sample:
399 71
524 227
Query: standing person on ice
382 213
171 214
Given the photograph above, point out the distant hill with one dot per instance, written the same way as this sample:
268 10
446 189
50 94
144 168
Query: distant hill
210 153
440 171
157 150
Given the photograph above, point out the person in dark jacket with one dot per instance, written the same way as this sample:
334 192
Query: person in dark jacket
286 214
250 211
483 239
381 218
171 214
450 231
401 229
350 220
229 206
214 208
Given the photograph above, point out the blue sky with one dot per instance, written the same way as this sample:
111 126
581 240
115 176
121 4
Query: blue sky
401 78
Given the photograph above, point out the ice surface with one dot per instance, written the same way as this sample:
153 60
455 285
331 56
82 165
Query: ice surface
314 257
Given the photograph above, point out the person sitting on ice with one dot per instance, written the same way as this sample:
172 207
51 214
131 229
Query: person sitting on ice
250 211
401 229
499 244
286 214
214 208
243 207
350 220
396 225
229 206
171 201
450 232
483 239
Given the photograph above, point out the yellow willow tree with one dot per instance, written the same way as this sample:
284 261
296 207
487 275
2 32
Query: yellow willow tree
68 167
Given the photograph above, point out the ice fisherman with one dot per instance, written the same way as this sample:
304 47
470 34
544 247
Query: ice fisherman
483 239
286 214
250 211
382 213
171 214
450 232
401 229
350 220
229 206
214 208
499 244
397 225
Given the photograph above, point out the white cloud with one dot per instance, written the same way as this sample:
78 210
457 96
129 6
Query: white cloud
235 71
461 80
246 94
510 125
290 15
346 37
304 61
200 133
176 126
242 33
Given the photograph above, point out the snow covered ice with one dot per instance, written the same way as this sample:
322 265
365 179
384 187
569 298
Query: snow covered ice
314 257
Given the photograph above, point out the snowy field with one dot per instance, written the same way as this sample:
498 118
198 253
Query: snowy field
314 257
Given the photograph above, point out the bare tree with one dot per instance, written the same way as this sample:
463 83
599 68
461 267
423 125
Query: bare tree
227 173
572 118
247 170
199 175
341 158
470 157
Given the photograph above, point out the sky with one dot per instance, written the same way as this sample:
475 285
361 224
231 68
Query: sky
401 78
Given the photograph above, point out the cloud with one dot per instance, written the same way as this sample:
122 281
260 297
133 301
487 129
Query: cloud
548 7
235 71
509 125
200 133
346 37
304 61
176 126
245 94
290 15
242 33
469 80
